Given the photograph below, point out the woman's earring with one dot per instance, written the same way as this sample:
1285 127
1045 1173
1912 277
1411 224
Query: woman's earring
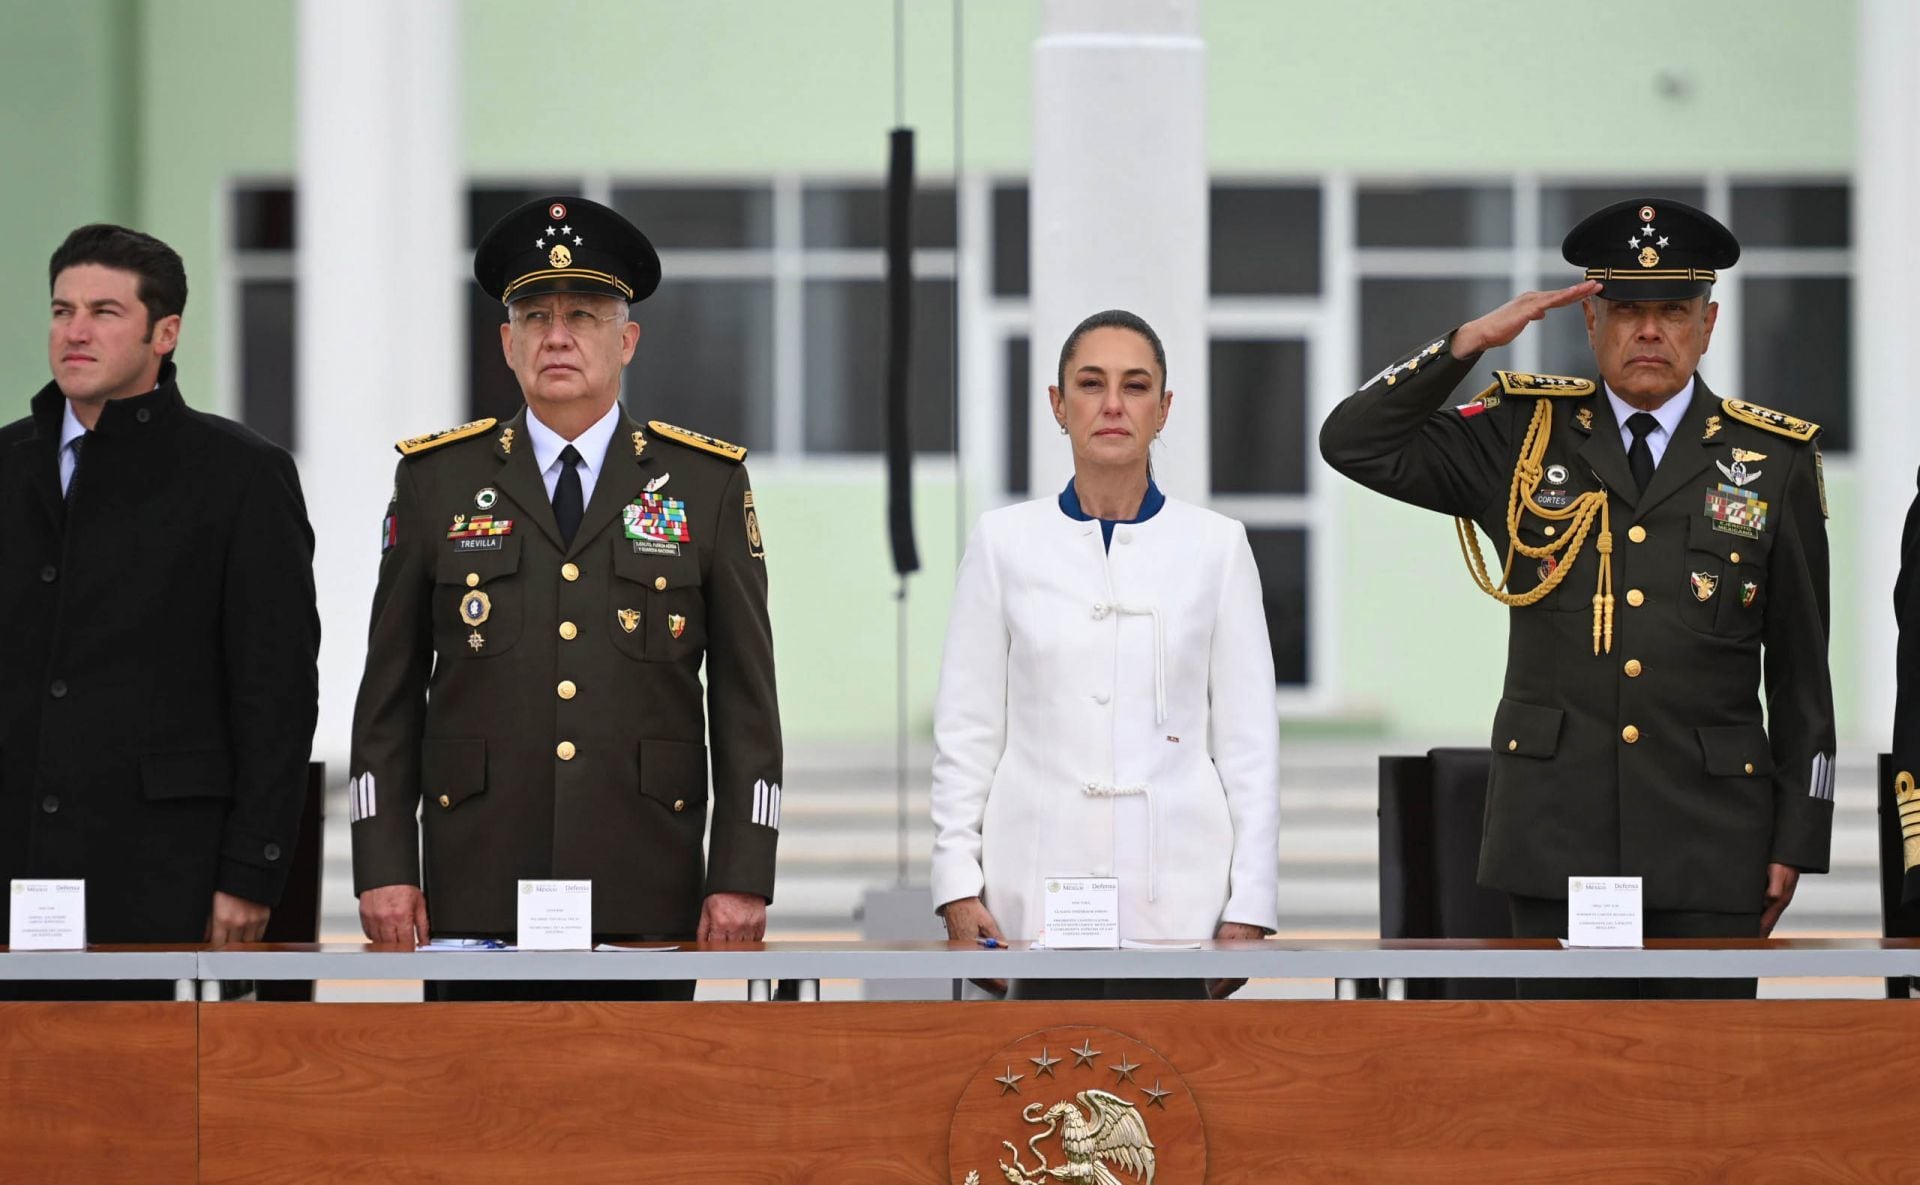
1063 429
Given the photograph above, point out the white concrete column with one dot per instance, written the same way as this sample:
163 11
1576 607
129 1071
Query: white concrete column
1119 207
381 335
1886 308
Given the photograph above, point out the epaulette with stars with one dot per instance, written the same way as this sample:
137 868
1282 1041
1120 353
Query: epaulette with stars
415 445
1765 418
1514 382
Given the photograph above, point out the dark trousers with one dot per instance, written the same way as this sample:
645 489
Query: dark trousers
1107 989
1546 917
476 990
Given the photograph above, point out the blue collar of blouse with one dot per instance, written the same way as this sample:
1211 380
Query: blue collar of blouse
1149 506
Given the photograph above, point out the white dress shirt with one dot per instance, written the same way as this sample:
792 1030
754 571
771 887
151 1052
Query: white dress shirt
71 429
1669 414
592 445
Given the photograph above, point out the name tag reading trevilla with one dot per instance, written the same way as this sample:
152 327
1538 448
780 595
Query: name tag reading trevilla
1082 912
556 915
47 915
1603 911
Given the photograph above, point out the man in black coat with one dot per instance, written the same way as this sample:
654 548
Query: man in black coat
1665 561
157 622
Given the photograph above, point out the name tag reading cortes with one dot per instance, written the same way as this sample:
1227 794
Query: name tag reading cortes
1082 912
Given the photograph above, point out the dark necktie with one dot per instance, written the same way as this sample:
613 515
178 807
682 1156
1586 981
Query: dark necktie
73 479
568 505
1640 457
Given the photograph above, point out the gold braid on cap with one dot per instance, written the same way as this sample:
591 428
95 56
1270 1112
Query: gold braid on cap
1582 510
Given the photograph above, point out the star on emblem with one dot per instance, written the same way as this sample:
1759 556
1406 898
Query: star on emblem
1633 242
566 230
1008 1082
1084 1055
539 244
1044 1063
1155 1095
1645 230
1663 241
1125 1069
578 241
549 230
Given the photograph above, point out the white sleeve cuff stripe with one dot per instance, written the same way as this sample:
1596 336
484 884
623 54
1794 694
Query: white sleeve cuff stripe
361 801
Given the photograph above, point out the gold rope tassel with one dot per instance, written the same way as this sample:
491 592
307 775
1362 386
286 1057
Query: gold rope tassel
1580 515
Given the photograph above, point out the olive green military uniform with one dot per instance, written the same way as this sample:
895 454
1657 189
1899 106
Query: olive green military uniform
1630 736
540 706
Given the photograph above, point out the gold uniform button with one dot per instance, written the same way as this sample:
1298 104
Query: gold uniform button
1512 745
569 631
1630 734
680 804
473 580
1749 767
569 571
1633 668
1637 533
564 750
1635 597
566 689
445 801
1734 557
660 582
1549 532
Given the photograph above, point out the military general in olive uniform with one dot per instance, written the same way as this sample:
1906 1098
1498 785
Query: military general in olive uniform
550 588
1665 559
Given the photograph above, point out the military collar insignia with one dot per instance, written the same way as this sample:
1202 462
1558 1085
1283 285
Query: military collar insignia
1583 419
414 445
1713 428
1778 423
506 442
640 446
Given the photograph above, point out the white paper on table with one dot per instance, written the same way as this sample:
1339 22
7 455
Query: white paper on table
1082 912
556 915
1604 911
637 950
1157 944
47 915
444 944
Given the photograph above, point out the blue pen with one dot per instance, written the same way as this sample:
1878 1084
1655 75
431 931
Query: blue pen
989 943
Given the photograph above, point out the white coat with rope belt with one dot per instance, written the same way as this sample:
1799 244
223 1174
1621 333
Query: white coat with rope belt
1109 712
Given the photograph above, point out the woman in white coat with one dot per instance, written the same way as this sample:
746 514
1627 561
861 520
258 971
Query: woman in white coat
1106 702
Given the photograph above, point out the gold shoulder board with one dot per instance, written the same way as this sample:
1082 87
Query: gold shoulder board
1513 382
699 440
433 440
1777 422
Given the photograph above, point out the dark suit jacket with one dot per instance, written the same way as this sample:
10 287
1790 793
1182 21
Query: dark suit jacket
1906 709
159 640
563 734
1702 797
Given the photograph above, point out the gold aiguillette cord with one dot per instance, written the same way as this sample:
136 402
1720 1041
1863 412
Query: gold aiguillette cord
1581 511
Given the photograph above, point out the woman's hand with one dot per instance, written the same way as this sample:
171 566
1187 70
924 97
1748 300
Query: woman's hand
1220 989
968 920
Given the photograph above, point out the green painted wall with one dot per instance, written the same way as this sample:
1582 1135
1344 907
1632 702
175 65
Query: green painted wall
145 109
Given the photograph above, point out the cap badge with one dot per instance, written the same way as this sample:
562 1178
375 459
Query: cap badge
560 256
1646 213
1649 257
557 210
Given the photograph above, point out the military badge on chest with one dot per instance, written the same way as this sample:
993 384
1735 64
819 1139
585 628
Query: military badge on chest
1553 492
482 532
1732 507
475 608
656 525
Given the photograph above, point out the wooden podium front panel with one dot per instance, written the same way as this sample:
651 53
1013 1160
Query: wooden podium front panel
1374 1092
97 1093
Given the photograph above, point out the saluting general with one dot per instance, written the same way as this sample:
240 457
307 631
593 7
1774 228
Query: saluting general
550 590
1664 558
